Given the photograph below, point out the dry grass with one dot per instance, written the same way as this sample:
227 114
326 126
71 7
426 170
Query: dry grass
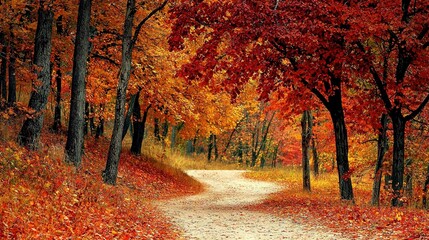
182 161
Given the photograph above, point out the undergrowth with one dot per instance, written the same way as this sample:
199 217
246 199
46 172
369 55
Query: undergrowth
43 198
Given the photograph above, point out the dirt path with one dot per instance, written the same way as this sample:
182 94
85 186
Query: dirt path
217 213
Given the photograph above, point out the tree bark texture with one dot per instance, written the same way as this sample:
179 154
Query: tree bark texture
75 134
336 111
306 134
3 67
139 127
381 151
111 171
127 121
398 156
57 126
315 157
156 129
32 127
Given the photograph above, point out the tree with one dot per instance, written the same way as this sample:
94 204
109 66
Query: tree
32 127
268 43
128 41
381 151
74 145
139 123
306 136
396 52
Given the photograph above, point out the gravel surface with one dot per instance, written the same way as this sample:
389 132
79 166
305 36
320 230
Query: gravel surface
217 213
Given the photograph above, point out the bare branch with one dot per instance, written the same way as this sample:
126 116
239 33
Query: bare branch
142 22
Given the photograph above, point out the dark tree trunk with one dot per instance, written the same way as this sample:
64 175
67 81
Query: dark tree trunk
56 127
156 129
100 129
210 148
139 127
341 143
398 156
216 152
111 171
409 180
425 190
127 121
32 127
174 131
3 67
315 157
164 130
11 100
75 134
306 134
58 80
189 147
381 151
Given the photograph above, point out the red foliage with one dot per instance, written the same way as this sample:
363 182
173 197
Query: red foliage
353 221
43 198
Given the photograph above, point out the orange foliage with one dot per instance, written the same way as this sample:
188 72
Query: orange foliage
43 198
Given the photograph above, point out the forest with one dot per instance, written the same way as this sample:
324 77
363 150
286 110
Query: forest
104 105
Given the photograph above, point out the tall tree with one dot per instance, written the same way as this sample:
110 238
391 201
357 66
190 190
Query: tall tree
397 63
74 145
306 135
32 127
128 41
268 38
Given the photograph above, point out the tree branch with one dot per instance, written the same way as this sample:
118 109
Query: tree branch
414 113
382 89
140 25
99 56
317 93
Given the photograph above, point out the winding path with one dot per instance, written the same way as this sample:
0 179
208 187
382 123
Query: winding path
217 213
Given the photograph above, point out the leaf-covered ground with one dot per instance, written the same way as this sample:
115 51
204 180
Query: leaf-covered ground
323 207
42 198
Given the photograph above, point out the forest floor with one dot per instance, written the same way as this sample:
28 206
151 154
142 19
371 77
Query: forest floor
220 211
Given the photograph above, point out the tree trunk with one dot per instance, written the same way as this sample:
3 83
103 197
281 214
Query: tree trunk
210 147
58 79
32 127
164 130
75 134
56 127
139 127
11 100
100 128
3 68
381 151
315 157
425 190
111 171
216 152
341 144
398 156
409 179
127 121
156 129
306 134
